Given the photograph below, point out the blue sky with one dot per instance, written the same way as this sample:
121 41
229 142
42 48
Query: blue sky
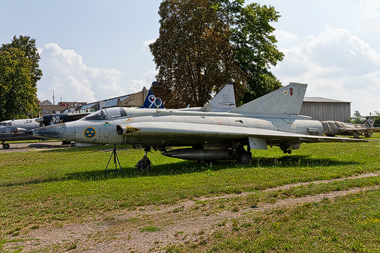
92 50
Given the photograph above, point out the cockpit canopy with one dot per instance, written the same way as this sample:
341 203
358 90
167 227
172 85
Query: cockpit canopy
107 114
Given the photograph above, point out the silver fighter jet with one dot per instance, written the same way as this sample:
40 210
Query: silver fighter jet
269 120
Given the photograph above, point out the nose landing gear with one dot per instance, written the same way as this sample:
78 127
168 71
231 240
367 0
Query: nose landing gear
144 163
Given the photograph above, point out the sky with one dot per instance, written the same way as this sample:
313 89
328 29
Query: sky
92 50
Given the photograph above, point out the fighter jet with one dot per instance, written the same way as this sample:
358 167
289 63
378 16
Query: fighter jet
16 130
333 128
269 120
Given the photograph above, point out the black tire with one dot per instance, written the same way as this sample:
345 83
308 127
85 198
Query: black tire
5 146
143 164
244 158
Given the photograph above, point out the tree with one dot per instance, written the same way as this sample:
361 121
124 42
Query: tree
255 48
193 53
19 74
204 44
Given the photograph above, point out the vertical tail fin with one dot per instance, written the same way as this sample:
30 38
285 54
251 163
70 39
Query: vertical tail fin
224 101
287 100
370 121
151 101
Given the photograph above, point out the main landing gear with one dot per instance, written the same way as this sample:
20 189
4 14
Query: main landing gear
144 163
286 147
244 156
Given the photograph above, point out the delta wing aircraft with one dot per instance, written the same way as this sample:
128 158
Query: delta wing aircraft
16 130
269 120
333 128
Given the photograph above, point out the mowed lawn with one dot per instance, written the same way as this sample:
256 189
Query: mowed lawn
70 185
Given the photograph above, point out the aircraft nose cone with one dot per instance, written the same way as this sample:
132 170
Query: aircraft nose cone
50 132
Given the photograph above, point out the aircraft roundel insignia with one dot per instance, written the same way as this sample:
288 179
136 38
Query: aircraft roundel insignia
89 132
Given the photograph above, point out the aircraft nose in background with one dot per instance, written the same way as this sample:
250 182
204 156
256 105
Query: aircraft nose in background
50 132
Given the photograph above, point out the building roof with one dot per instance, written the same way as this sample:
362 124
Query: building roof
322 100
113 101
46 102
87 106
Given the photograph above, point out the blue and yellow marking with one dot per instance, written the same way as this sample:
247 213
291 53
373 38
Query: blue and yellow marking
89 132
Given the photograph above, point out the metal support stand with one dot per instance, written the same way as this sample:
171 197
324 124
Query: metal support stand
115 158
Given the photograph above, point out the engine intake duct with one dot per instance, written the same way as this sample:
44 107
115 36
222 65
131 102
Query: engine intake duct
125 129
200 154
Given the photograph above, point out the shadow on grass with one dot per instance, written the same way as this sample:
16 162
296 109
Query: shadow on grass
188 167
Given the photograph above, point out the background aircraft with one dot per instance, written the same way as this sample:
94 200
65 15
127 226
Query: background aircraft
223 101
16 130
333 128
269 120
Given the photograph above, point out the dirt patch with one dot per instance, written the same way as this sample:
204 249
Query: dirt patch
154 227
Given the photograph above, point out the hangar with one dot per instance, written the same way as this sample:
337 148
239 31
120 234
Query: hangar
324 109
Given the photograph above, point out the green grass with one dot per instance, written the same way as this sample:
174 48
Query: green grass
51 188
350 224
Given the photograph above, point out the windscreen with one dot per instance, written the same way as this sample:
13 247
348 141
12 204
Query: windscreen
107 114
98 115
116 112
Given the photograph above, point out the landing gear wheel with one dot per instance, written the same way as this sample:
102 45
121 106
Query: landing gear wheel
143 164
289 151
5 146
368 134
244 158
356 135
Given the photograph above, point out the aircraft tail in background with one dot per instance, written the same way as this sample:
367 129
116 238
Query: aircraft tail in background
224 101
151 101
370 120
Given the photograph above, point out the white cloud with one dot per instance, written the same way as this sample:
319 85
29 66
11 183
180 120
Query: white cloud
284 36
66 74
337 65
137 84
370 16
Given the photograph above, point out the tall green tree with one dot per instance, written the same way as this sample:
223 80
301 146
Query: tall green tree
255 47
19 73
204 44
193 53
